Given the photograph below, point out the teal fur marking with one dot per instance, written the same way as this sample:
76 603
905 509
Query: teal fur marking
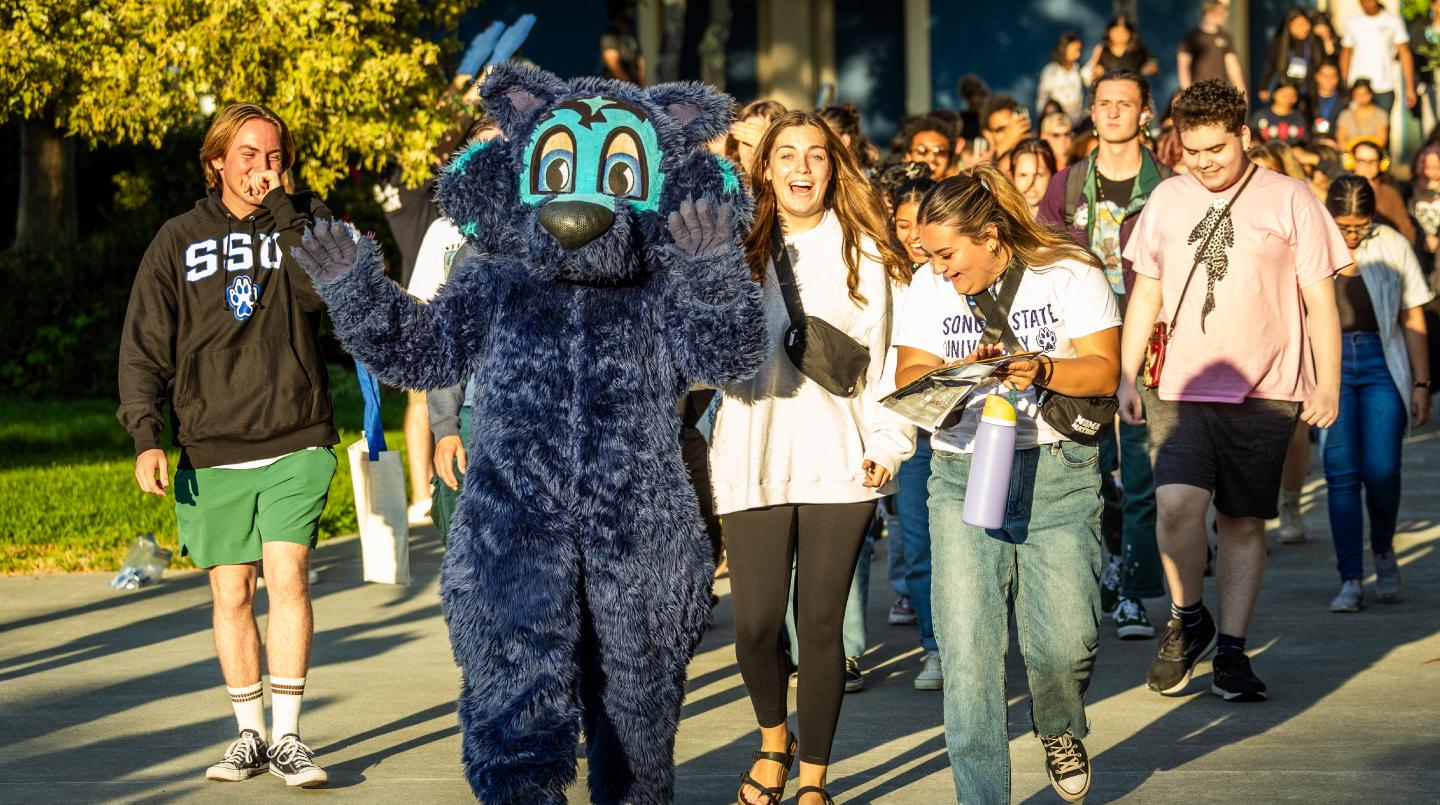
468 230
729 178
592 125
458 164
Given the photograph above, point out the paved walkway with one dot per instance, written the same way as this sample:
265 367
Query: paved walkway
115 697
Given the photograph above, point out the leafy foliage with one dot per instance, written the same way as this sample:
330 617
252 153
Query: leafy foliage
359 82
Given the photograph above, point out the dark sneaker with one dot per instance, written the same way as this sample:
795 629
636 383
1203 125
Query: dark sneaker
1110 587
1387 577
1233 681
293 762
854 680
903 613
244 759
1179 651
1068 766
1131 622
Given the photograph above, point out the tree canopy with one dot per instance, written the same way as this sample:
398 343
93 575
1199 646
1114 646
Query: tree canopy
359 83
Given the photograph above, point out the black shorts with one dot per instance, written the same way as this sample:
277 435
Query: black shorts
1236 451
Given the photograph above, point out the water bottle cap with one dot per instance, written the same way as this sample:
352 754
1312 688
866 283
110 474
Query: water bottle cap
998 410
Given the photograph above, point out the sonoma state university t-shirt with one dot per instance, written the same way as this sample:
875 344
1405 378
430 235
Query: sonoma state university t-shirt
1053 305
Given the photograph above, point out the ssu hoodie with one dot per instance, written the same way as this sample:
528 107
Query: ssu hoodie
223 323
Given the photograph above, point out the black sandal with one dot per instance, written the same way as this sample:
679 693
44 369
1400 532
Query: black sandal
814 789
769 796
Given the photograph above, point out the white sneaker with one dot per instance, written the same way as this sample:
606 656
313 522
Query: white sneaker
419 512
1292 525
930 676
1351 597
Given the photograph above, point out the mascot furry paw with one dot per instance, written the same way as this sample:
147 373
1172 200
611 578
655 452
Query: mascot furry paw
577 580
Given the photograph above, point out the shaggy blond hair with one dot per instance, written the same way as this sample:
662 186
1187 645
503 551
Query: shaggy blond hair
227 124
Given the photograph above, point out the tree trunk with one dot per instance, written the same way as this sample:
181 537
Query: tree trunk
46 211
672 38
713 44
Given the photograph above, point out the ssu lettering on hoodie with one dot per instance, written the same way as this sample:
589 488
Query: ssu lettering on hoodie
223 324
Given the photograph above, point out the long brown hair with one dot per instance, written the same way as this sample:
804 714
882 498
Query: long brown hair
848 195
223 130
981 197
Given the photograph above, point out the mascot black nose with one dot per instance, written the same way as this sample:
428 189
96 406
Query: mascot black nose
575 223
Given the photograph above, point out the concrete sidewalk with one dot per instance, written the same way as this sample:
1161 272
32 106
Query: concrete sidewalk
116 697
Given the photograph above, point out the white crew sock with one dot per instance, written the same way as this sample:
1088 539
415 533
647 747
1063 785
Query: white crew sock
285 695
249 705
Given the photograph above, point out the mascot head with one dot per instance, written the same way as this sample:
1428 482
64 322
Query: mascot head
588 171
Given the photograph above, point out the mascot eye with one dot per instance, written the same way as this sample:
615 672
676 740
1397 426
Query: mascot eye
622 172
556 170
553 166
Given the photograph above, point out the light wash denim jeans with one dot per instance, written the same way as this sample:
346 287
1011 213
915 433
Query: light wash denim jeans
913 503
1047 557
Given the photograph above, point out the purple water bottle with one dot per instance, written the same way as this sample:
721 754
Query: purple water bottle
988 486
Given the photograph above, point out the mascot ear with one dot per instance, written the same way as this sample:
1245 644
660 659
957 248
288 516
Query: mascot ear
701 112
515 94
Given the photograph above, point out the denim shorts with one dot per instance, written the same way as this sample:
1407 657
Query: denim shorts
1237 451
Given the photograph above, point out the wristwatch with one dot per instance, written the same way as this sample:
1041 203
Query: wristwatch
1422 384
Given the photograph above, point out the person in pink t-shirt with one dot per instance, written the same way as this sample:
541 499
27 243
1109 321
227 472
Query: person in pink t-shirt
1255 343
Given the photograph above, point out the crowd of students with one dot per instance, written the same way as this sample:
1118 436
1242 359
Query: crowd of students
1280 296
1291 278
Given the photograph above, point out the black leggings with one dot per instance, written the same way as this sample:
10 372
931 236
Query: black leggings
823 541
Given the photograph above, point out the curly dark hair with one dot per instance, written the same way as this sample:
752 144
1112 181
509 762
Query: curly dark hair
1210 103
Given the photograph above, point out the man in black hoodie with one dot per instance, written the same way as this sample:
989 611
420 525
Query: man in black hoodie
223 324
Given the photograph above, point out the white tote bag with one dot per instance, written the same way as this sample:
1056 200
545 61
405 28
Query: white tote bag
378 477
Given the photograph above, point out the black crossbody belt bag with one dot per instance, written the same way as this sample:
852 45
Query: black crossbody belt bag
1078 419
819 349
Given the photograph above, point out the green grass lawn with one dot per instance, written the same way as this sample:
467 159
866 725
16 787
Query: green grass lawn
68 497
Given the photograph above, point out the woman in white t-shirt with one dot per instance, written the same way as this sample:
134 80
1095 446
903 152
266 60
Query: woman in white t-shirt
977 228
797 470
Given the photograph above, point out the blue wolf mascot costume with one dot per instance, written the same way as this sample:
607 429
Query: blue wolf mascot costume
576 584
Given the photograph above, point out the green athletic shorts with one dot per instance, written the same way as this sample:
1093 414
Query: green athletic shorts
225 516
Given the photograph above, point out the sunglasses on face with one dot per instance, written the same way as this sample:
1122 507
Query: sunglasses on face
928 150
1354 229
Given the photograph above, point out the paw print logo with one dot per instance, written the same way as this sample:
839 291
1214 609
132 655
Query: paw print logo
241 297
1046 339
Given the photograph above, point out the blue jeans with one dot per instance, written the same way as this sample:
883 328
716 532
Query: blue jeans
1047 558
913 502
1363 448
853 637
1131 536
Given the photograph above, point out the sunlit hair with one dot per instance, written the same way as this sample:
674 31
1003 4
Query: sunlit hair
1210 103
765 108
981 197
848 195
1350 195
227 124
1278 157
845 120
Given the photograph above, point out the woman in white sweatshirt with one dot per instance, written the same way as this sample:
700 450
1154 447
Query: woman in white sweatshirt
797 470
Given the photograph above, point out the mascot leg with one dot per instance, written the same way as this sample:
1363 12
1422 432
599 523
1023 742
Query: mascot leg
508 588
645 613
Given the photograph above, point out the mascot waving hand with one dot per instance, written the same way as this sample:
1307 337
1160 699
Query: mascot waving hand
577 580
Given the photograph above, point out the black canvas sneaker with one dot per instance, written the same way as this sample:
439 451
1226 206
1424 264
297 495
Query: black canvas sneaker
244 759
1180 649
1068 766
1234 681
293 762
